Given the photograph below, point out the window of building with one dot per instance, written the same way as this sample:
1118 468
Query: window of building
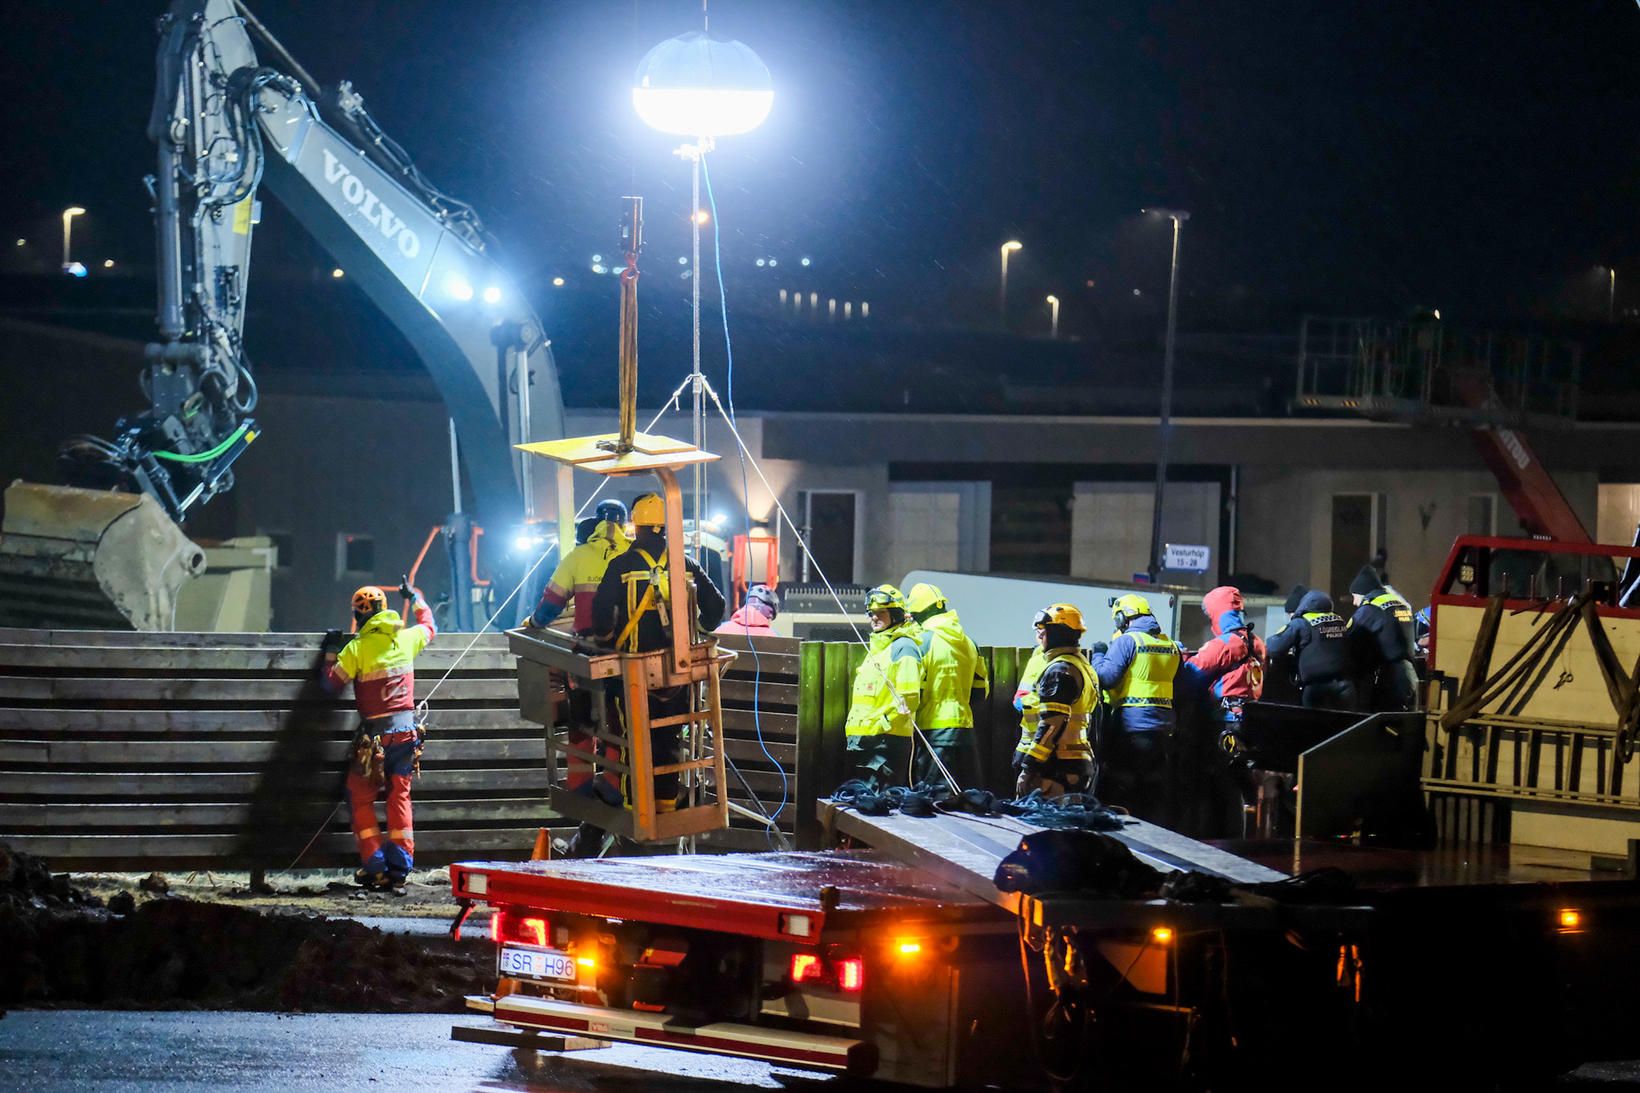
355 555
833 531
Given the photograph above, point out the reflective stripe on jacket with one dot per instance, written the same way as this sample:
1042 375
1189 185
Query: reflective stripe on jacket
1149 679
1025 700
1399 609
577 575
1067 739
1326 624
954 672
888 686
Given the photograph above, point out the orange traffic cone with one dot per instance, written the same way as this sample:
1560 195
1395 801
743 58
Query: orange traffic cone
543 845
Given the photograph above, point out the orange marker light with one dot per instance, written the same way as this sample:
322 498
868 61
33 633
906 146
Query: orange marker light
1570 919
1162 935
908 948
586 962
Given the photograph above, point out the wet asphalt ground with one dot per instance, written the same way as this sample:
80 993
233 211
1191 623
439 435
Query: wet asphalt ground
103 1051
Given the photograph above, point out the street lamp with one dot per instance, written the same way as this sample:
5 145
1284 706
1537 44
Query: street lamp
1002 291
1178 216
68 229
1611 294
699 87
1053 316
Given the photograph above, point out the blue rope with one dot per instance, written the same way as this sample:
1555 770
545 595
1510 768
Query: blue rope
745 488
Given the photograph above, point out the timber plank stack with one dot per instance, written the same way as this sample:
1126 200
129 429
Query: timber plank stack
760 715
143 750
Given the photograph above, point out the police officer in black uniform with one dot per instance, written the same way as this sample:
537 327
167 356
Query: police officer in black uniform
1384 642
1326 666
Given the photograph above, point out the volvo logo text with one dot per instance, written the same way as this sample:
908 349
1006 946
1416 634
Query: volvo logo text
371 207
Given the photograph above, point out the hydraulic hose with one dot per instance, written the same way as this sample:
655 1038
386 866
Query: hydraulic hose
206 456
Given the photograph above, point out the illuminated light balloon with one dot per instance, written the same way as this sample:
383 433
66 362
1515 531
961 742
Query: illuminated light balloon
696 86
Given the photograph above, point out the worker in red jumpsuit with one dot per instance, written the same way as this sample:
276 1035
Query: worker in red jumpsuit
379 661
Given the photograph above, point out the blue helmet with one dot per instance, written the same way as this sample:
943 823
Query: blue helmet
611 510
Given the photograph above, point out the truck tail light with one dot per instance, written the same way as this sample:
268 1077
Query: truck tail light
839 973
526 929
806 966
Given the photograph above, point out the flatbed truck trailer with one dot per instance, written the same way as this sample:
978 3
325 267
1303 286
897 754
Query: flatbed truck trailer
1290 964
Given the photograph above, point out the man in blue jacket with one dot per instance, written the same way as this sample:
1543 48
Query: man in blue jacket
1137 668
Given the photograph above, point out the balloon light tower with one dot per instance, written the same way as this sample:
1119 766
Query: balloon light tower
702 88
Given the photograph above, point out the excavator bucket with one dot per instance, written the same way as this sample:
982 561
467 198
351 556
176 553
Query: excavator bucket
91 560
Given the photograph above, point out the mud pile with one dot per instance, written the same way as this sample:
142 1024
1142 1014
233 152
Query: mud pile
26 882
57 949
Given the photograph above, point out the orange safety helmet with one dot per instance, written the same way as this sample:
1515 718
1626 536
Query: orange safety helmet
369 600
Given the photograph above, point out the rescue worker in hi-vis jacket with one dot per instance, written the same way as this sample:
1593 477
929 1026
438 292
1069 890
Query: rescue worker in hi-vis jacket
632 613
379 661
1138 667
599 539
887 690
1054 754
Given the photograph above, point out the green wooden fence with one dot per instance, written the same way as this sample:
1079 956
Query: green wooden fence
825 680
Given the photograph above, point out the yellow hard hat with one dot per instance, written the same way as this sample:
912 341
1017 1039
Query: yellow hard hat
369 600
1130 606
885 597
649 511
924 597
1060 614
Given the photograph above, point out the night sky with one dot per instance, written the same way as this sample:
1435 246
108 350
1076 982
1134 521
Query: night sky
1352 157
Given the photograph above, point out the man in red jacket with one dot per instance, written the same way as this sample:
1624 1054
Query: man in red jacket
1231 667
1232 663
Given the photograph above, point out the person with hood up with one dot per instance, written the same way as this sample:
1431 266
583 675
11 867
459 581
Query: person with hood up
955 679
579 572
1231 665
599 538
379 660
887 692
1316 636
1385 643
1138 667
755 615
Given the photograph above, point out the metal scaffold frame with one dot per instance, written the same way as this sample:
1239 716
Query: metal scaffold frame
685 662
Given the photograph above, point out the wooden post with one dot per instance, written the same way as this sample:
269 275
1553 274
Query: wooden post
835 699
811 766
999 776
